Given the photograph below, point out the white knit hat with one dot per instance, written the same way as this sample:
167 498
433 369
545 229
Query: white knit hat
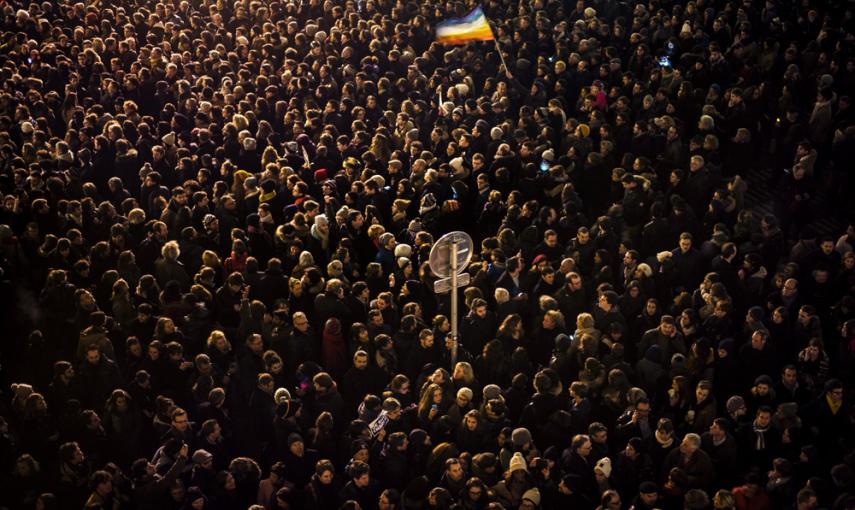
605 466
517 462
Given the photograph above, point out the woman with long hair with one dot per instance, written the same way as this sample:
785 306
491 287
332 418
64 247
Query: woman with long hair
471 433
322 437
219 349
431 406
122 422
511 332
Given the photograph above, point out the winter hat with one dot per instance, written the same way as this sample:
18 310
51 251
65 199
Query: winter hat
281 395
517 462
605 466
491 391
548 155
294 438
456 165
520 437
385 238
485 460
403 250
532 495
734 404
201 457
465 392
763 379
332 327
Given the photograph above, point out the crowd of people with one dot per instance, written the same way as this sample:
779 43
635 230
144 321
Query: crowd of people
214 237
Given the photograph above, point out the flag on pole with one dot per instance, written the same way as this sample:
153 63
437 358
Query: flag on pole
472 27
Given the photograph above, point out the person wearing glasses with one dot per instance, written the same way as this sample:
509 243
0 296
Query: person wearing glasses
476 496
577 460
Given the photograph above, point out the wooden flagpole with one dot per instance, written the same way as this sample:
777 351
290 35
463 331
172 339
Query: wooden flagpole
498 48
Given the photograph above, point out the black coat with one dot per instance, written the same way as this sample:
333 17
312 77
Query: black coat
477 331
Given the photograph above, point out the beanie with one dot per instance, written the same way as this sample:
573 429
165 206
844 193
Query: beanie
605 466
281 395
520 437
201 457
734 403
491 391
517 463
466 393
532 495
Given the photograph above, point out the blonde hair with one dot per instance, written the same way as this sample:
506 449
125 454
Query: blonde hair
375 231
210 259
584 321
216 335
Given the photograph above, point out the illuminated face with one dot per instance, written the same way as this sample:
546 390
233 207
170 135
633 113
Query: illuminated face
326 477
789 376
758 341
455 472
471 423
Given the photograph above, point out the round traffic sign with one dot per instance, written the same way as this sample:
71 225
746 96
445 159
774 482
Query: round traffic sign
440 253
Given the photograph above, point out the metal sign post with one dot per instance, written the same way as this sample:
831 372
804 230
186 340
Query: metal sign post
448 259
454 289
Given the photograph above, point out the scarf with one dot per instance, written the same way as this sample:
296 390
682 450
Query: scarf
835 406
665 443
760 433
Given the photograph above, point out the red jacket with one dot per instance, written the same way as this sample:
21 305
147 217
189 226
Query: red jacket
760 501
